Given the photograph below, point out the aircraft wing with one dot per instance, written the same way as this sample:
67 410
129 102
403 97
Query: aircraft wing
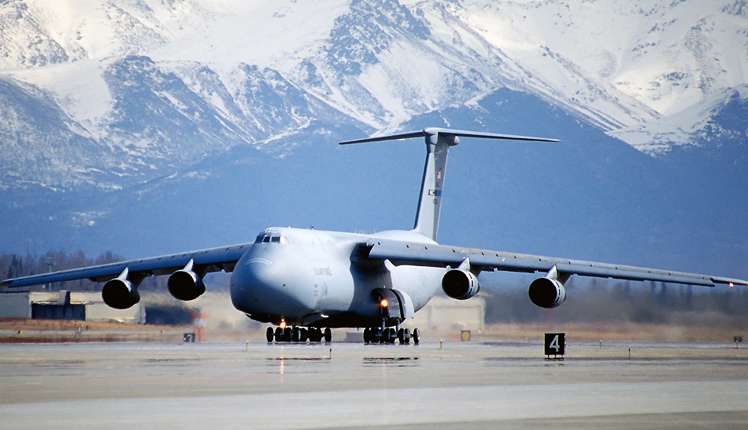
420 254
204 260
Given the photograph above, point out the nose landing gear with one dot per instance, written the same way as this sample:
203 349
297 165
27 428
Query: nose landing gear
298 334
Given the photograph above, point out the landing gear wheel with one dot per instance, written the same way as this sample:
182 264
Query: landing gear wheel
278 334
295 335
287 334
314 335
367 336
391 335
269 334
384 335
328 335
416 336
303 335
403 335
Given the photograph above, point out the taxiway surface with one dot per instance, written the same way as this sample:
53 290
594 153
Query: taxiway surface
459 385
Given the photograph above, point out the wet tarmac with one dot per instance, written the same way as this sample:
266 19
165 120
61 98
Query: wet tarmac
454 385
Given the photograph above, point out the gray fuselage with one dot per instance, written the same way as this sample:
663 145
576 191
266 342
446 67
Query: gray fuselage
311 277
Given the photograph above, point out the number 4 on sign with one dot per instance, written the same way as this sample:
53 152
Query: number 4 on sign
555 344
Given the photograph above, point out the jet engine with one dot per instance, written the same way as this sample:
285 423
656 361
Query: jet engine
185 284
547 293
460 284
120 293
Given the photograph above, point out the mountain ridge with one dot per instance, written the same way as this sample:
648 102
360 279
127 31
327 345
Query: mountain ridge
221 117
377 63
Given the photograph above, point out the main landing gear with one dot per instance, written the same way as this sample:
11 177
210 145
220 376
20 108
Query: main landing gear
391 334
298 334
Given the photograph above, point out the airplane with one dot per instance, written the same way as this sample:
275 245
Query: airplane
306 282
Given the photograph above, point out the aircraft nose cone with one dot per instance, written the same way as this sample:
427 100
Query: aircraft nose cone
253 276
258 287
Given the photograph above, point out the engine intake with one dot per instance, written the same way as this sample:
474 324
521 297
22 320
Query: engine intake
460 284
547 293
120 293
185 285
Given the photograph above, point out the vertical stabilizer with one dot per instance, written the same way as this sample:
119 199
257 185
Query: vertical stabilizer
438 142
432 184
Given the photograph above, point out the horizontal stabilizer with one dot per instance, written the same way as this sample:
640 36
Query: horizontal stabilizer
431 131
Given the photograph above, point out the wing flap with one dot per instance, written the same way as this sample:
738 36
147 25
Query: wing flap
419 254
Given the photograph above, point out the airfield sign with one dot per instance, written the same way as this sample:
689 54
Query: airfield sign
555 345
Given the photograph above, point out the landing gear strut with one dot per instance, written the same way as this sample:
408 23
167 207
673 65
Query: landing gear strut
298 334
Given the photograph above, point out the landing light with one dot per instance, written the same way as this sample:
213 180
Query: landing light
731 285
283 324
384 303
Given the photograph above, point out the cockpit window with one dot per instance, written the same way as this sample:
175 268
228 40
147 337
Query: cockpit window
268 238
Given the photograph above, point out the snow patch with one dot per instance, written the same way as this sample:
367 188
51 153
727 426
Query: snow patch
659 137
79 87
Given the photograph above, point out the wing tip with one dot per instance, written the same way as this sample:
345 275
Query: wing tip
730 282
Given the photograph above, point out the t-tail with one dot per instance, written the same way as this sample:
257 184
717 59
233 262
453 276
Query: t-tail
438 142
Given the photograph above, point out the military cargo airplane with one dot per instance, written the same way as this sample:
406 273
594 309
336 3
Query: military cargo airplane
306 281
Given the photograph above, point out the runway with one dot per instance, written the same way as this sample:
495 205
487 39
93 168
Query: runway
454 385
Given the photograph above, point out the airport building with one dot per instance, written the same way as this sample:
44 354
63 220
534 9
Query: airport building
65 305
443 314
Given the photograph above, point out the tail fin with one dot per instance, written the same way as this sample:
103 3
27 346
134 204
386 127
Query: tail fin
438 142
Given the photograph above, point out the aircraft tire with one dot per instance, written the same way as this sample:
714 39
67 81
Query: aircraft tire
328 335
270 334
287 334
403 335
278 334
303 335
366 336
391 336
295 335
416 336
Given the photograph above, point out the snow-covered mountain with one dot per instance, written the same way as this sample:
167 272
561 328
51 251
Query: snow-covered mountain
150 126
135 87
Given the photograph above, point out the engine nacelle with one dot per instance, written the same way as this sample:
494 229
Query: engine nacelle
120 293
547 293
185 285
460 284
